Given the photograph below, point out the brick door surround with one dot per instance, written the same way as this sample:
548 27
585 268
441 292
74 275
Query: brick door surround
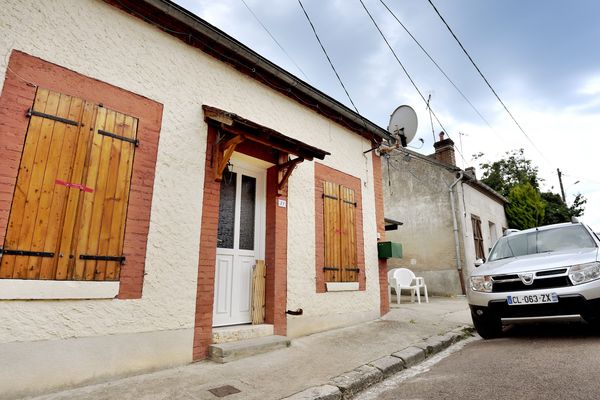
275 247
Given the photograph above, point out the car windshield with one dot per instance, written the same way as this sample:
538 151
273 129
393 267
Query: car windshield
543 241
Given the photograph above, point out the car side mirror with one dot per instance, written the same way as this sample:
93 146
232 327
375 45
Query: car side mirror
479 262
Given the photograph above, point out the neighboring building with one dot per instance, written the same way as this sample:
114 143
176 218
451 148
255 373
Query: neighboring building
417 192
148 160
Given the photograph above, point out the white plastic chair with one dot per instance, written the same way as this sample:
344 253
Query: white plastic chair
403 278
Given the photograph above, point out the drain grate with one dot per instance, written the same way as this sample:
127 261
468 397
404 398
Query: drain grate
223 391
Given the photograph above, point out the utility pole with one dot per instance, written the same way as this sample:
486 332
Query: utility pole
562 189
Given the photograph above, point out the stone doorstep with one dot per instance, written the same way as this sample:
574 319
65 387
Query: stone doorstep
226 352
348 384
236 333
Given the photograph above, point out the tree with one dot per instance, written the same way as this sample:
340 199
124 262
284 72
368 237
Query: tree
516 178
514 169
558 211
525 208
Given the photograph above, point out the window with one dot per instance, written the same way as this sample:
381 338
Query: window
477 237
493 233
339 236
340 233
68 213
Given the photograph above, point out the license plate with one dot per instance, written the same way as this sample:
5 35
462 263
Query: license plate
523 299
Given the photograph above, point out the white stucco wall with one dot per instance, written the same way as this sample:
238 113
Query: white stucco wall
99 41
416 193
488 210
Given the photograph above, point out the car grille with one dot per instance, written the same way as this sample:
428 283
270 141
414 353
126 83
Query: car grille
548 279
567 305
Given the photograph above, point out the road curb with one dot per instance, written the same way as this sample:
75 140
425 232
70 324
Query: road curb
348 384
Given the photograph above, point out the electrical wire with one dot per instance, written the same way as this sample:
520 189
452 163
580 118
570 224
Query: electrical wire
407 74
438 67
488 83
274 39
234 62
327 56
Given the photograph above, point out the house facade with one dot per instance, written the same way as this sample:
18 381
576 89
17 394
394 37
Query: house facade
150 161
449 217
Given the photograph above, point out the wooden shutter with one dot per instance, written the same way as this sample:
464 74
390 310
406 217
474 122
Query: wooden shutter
72 192
477 237
100 226
339 226
55 138
332 232
348 235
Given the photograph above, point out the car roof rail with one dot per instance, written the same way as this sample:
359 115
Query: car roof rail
574 220
511 231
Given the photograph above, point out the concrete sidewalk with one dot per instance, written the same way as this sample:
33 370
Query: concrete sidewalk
310 361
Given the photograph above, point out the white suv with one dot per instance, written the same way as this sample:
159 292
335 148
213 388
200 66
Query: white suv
546 272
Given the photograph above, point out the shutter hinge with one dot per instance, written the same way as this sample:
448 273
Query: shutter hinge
353 269
120 259
350 202
135 142
328 196
31 113
26 253
330 269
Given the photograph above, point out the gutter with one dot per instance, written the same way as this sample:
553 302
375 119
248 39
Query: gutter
249 56
459 177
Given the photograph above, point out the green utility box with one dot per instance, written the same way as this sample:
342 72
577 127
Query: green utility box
389 250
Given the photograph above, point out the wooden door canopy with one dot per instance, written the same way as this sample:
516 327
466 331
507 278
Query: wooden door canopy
238 130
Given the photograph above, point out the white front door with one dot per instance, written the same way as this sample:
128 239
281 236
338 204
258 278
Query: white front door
240 242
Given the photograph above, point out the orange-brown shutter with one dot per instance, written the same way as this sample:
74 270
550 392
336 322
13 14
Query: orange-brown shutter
72 191
339 226
100 226
332 232
348 235
55 138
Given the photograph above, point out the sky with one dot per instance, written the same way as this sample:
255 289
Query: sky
541 57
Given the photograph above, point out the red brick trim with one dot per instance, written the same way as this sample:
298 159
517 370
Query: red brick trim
24 73
275 249
324 173
276 254
207 257
384 304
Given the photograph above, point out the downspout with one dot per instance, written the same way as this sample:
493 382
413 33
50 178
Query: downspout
459 177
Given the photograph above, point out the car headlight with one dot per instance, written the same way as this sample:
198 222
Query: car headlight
583 273
481 283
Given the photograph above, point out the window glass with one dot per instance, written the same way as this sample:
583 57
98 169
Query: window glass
227 211
544 241
247 212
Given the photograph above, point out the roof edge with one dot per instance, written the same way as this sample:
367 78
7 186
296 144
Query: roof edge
345 116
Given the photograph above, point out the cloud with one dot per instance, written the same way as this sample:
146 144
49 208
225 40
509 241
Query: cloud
591 87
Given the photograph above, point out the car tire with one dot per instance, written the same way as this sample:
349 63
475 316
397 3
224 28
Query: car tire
487 326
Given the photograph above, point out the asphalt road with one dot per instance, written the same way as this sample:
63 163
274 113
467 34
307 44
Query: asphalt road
546 361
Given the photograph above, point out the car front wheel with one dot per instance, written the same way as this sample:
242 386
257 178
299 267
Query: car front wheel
487 326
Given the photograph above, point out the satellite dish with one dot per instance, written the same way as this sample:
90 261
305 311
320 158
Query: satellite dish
403 123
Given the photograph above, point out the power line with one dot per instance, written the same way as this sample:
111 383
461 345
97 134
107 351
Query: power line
327 55
274 39
407 74
438 66
232 61
487 82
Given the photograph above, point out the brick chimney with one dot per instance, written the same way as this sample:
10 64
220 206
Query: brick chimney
444 150
471 172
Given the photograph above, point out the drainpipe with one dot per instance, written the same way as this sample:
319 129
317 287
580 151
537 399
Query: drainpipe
459 177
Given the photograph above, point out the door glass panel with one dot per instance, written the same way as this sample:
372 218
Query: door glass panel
248 205
227 211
